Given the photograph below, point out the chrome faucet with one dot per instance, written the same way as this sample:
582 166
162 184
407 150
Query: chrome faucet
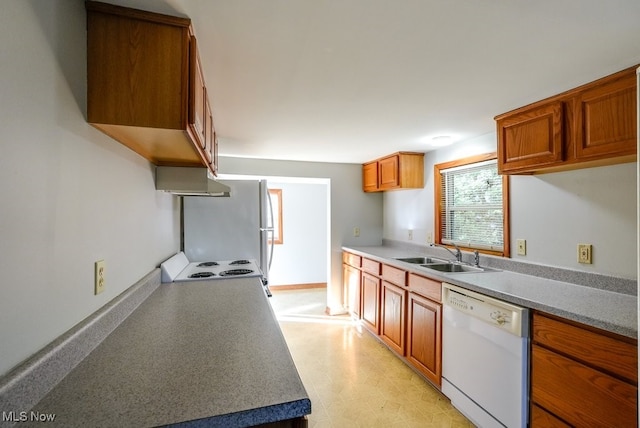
457 254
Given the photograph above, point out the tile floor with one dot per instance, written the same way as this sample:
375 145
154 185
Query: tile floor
352 379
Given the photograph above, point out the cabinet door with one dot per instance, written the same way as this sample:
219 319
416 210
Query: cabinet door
606 120
214 150
351 286
532 138
371 302
197 104
209 133
137 72
424 337
370 177
389 172
392 319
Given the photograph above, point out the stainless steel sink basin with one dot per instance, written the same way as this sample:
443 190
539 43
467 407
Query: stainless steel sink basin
452 267
420 260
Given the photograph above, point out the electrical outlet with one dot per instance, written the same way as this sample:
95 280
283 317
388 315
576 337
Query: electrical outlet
584 253
356 231
410 235
429 238
522 247
99 277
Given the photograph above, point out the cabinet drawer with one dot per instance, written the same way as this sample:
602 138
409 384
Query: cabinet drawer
578 394
394 275
351 259
425 287
594 349
371 266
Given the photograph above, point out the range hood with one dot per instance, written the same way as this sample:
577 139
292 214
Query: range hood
186 181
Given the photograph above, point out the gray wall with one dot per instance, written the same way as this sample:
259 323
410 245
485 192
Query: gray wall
70 194
349 207
553 212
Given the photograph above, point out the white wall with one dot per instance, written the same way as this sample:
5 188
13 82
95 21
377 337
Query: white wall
302 256
349 207
553 212
413 208
70 195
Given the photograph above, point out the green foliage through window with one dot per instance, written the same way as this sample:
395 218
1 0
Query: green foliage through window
472 213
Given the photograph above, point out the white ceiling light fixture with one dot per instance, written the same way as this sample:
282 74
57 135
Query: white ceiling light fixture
440 141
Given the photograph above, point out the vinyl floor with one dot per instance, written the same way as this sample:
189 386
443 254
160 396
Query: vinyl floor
352 379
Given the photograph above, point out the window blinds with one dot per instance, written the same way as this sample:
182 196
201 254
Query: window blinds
471 206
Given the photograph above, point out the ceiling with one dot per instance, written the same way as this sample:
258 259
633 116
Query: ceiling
353 80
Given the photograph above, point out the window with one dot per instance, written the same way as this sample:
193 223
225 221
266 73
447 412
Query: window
472 205
276 202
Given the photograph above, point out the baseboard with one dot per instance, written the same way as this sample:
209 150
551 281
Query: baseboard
276 288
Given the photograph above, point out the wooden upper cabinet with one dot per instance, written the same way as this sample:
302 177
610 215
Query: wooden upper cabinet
402 170
607 125
592 125
197 92
531 138
370 177
145 87
389 172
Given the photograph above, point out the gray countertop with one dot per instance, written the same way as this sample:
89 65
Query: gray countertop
202 353
611 311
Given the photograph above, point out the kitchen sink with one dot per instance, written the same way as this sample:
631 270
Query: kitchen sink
421 260
452 267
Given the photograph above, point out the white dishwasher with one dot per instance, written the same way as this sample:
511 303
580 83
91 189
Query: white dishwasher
485 358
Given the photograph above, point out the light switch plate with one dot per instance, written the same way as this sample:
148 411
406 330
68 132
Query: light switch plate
521 244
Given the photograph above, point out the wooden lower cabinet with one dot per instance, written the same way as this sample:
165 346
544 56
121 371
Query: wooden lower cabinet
424 336
351 285
581 376
370 302
392 319
542 418
403 309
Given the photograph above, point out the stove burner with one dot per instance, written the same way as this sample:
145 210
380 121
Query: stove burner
208 264
235 272
240 262
202 275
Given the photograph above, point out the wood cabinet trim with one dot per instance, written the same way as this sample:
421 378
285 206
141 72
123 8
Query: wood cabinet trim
142 15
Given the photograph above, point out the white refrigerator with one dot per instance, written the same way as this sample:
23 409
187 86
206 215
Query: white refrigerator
230 228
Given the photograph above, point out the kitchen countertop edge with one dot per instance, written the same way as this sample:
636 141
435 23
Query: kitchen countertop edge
234 370
571 301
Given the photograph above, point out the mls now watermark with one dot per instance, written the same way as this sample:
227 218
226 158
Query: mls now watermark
28 417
